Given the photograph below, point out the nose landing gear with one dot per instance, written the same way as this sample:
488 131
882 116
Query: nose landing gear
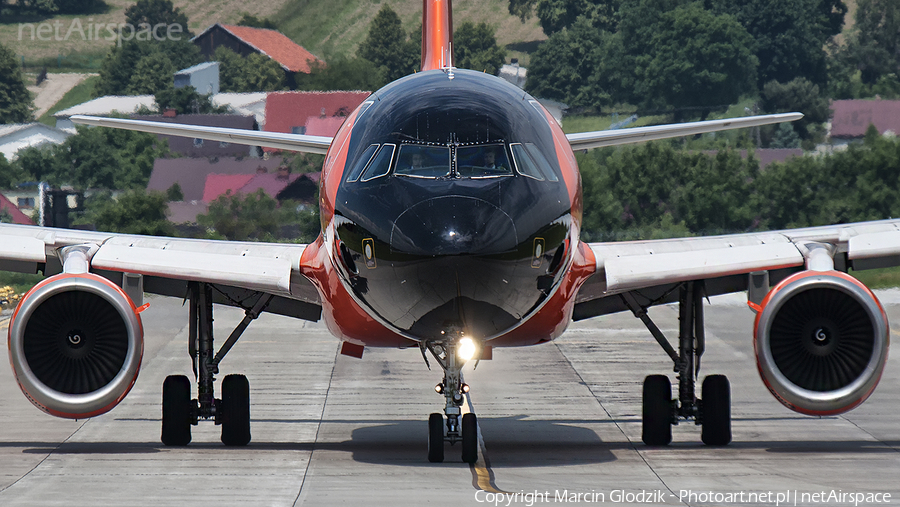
459 429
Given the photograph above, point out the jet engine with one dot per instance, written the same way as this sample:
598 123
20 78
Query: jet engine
821 341
75 344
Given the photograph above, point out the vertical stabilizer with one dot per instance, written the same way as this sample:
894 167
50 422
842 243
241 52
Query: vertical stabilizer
437 34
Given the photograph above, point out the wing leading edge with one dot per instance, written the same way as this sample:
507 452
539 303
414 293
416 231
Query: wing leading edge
726 261
601 138
275 140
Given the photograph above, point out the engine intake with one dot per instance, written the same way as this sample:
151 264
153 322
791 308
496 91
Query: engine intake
75 344
821 342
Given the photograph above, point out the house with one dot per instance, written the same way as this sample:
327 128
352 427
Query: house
191 173
23 135
852 118
7 207
193 147
247 104
279 185
245 40
204 77
104 106
311 113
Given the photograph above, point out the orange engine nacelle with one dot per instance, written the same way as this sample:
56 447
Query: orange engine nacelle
75 345
821 342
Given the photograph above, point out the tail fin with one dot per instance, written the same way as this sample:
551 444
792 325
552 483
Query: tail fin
437 34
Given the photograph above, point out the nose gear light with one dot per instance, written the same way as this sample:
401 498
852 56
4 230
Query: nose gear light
466 348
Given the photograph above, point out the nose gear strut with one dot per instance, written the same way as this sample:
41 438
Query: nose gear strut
454 390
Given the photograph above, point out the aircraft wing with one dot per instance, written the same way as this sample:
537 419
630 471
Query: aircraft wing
652 268
276 140
601 138
237 269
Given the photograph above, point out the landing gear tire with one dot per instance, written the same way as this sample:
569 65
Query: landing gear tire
235 410
657 410
436 438
176 410
716 410
469 438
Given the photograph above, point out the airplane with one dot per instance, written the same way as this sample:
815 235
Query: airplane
451 208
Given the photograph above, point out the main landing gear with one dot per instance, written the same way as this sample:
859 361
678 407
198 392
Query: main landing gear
448 355
660 412
232 411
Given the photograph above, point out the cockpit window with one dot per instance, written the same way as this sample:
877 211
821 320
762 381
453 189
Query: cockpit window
541 161
525 164
362 162
420 161
483 161
531 162
381 164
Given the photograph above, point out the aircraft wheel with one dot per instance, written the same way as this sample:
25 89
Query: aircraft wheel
436 438
716 410
235 406
657 410
176 410
469 438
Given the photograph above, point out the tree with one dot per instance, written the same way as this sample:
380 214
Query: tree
577 66
154 12
801 95
152 74
253 21
790 35
693 58
94 158
119 75
174 193
10 173
785 137
134 212
475 47
874 45
341 73
15 100
186 100
554 15
253 73
388 47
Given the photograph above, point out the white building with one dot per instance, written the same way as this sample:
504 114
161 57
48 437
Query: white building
104 106
22 135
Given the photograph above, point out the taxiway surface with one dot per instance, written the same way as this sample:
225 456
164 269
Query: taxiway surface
557 419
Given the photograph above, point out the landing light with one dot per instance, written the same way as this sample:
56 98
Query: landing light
439 388
466 349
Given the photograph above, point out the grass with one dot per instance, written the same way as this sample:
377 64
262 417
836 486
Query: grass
339 26
80 94
883 278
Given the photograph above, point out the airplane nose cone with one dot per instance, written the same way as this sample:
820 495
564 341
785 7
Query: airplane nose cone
453 225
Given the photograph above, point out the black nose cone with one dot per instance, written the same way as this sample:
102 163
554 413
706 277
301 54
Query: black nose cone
453 225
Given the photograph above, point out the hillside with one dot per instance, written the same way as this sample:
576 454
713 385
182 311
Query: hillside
324 27
338 26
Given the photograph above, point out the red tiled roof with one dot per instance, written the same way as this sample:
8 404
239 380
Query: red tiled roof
218 184
276 46
17 216
191 173
286 110
852 117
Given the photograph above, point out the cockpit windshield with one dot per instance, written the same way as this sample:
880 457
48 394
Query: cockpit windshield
482 161
421 161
